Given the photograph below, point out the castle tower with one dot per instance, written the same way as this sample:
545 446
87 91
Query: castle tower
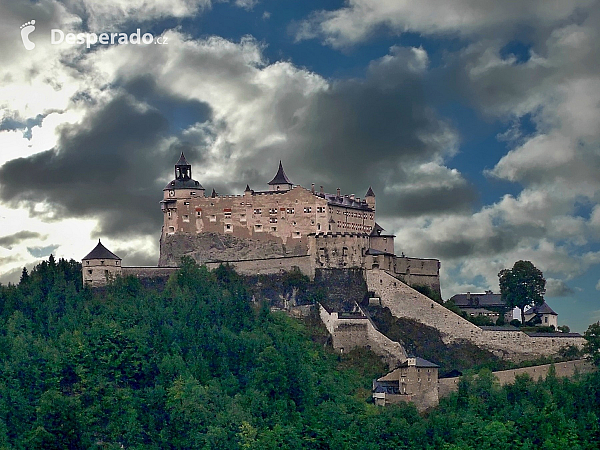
99 266
177 195
280 182
370 198
183 169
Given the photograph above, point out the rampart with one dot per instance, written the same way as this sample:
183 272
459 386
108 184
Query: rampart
403 301
563 369
349 331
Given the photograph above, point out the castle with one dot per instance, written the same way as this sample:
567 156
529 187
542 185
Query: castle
288 227
279 228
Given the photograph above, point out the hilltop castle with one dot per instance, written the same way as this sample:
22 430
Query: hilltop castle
289 227
282 227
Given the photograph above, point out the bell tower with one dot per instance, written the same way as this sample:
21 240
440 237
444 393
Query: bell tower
183 169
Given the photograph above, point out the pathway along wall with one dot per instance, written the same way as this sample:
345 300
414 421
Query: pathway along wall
403 301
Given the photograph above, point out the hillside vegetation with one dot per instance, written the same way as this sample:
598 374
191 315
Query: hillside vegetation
197 365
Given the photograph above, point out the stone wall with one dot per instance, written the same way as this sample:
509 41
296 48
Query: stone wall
350 332
148 272
404 301
563 369
268 265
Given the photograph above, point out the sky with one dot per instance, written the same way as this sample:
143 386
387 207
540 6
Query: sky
477 123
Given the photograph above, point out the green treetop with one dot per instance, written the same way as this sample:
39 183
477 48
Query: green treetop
522 286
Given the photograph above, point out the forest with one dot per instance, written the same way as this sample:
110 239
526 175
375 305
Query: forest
196 364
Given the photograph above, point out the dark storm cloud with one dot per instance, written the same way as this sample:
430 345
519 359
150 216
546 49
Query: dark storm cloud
107 168
10 240
500 240
371 132
429 200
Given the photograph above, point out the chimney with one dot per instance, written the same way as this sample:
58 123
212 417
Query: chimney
351 196
312 188
468 296
339 192
322 191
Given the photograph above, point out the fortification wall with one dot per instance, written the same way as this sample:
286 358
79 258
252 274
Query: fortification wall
338 250
148 272
403 301
349 333
563 369
268 265
206 247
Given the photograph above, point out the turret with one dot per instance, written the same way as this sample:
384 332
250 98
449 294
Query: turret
370 198
280 182
183 180
99 266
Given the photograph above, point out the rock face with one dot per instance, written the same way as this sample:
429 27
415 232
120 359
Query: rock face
207 247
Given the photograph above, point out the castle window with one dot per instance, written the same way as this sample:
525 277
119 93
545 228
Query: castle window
171 193
242 217
307 209
273 228
90 271
117 263
294 223
318 226
102 263
186 218
273 220
257 227
273 211
192 193
213 218
290 210
87 263
198 213
186 203
228 228
169 214
171 230
258 211
320 209
296 234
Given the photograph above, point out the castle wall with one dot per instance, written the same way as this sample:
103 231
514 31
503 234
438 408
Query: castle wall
338 250
404 301
148 272
348 333
563 369
268 266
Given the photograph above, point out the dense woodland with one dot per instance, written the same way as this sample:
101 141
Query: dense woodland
196 365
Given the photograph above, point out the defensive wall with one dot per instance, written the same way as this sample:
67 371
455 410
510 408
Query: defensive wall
403 301
563 369
350 330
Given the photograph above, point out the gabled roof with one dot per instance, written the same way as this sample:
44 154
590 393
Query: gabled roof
420 362
101 252
377 229
280 177
541 309
487 299
370 193
182 161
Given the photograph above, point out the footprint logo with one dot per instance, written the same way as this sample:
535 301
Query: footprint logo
26 29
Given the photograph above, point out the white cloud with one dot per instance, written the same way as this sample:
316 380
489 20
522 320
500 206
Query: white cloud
358 20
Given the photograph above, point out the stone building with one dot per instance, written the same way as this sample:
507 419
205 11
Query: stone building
485 304
415 380
541 315
100 265
311 229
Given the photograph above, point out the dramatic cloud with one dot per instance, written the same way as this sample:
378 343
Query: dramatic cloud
8 241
